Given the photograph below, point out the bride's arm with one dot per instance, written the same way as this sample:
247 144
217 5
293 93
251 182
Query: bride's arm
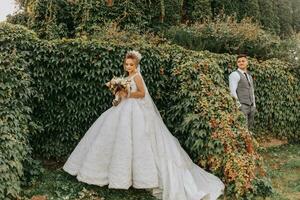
140 93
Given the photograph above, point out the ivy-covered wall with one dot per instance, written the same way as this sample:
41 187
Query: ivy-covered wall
71 76
16 123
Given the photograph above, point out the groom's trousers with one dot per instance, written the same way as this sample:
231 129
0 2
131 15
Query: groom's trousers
249 112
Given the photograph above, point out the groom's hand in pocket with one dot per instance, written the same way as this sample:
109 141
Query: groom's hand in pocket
239 105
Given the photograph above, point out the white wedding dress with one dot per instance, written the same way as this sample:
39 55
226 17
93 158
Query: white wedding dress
129 145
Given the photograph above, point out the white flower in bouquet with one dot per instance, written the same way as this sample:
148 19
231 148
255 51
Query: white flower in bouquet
116 85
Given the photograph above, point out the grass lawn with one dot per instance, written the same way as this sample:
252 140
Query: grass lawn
58 185
283 164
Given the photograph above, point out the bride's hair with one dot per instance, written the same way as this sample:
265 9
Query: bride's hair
135 55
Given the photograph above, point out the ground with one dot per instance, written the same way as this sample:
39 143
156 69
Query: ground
282 161
283 164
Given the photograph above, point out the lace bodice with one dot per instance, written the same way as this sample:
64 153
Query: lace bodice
133 86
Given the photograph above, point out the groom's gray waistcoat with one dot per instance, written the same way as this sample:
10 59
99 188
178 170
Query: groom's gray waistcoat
245 89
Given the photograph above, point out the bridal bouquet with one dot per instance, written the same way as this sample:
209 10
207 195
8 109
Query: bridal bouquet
116 85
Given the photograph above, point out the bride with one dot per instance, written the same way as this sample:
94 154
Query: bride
129 145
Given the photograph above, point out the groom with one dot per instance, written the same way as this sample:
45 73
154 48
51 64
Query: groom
242 89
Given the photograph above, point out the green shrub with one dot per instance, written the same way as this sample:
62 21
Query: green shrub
15 120
289 51
65 19
50 19
278 92
225 36
20 18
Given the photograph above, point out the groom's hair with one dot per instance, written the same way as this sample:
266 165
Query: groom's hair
241 56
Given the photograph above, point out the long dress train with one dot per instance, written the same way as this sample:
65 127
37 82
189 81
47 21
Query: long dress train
129 145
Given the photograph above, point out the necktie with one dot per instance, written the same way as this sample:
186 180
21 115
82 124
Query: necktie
247 78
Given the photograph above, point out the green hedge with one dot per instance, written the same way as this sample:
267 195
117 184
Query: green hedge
71 76
16 164
278 91
14 123
226 36
190 89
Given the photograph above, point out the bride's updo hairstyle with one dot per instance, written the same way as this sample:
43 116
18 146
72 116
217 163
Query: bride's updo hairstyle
134 55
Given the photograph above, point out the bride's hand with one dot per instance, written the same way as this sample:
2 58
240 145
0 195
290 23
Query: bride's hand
122 94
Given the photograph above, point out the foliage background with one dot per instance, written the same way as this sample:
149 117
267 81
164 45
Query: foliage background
67 18
16 123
